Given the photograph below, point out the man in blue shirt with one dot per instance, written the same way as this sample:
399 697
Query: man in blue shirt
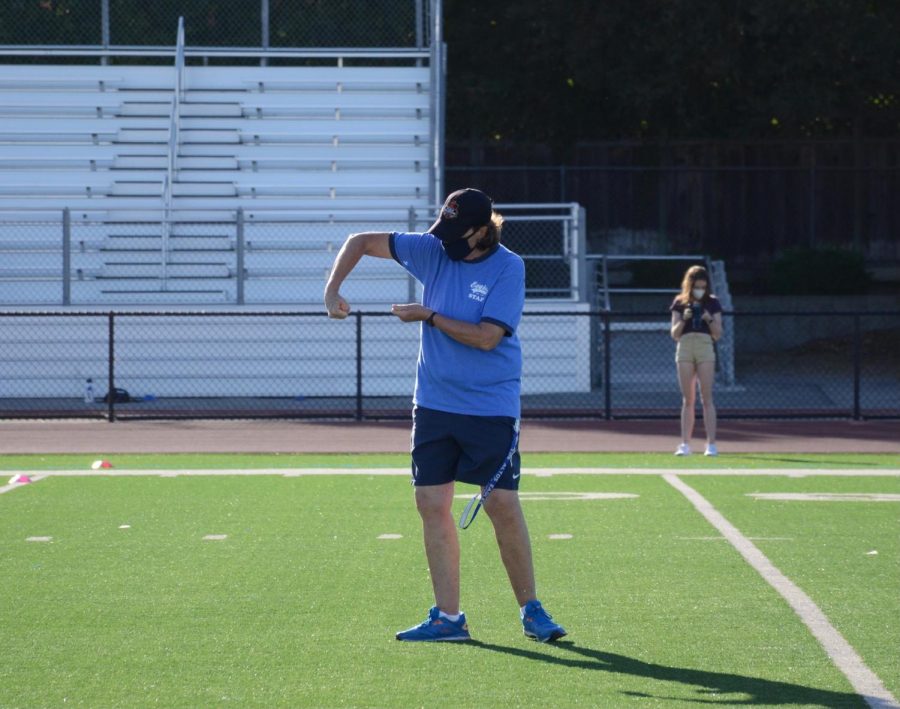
466 403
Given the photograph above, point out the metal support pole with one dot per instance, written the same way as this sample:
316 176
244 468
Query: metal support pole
857 366
607 367
240 257
359 367
410 281
420 28
104 29
111 391
67 258
264 22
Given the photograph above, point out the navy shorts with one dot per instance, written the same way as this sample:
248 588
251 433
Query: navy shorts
469 449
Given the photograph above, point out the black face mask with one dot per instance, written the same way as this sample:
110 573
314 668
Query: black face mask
457 250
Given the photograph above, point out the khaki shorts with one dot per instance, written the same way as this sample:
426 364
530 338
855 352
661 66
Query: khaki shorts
695 347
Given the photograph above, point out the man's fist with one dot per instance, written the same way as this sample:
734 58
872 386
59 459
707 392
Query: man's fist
337 307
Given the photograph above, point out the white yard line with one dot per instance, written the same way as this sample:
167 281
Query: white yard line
539 472
865 682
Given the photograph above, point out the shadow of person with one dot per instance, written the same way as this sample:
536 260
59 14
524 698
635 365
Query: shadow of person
722 688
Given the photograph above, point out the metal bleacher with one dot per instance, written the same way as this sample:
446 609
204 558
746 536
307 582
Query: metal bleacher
152 165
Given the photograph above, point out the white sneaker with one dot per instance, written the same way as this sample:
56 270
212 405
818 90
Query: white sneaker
711 449
683 449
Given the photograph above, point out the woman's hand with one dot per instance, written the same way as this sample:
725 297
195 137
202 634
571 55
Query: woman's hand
412 312
687 314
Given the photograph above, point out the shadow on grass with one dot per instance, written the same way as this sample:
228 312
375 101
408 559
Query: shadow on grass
800 459
716 685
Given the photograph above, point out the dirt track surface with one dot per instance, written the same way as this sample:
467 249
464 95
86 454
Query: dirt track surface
393 437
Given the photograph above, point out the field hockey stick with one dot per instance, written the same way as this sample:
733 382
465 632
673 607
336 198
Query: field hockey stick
472 506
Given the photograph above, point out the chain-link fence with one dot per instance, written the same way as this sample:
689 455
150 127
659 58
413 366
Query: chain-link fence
577 363
217 23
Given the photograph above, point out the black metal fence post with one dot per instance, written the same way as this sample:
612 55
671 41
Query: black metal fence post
857 365
359 367
607 367
67 258
111 392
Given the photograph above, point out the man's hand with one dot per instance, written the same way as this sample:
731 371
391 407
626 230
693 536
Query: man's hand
412 312
337 307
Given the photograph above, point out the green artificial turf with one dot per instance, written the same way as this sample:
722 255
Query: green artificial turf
232 461
827 550
298 606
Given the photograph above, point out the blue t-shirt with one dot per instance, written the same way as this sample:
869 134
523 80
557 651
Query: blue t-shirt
452 376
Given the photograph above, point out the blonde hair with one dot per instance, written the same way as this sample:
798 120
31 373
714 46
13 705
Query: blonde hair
492 237
691 276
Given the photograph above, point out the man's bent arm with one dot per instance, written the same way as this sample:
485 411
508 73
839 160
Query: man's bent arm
483 335
371 243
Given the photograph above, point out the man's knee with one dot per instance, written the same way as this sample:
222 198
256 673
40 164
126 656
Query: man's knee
502 504
433 501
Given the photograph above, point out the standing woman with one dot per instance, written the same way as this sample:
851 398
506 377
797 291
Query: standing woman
696 325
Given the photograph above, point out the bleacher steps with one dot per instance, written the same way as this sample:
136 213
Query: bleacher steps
193 271
141 162
192 244
225 136
143 135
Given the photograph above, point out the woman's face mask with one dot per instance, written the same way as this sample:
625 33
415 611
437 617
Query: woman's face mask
457 250
698 293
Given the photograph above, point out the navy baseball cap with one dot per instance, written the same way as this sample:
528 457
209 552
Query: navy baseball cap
463 210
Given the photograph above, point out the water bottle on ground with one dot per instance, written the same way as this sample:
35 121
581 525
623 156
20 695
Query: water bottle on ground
89 391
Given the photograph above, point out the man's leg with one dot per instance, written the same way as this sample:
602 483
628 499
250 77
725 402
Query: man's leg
505 512
441 544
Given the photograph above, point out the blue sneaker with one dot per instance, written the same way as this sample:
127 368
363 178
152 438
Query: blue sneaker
539 625
437 629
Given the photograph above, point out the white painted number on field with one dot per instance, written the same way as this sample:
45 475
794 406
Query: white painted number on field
826 496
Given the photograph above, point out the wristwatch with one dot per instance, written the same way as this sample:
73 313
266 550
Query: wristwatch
430 319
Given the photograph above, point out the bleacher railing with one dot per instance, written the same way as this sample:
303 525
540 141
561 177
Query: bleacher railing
67 247
174 142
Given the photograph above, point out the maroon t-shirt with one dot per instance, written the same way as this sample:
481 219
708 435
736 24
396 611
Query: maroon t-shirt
696 323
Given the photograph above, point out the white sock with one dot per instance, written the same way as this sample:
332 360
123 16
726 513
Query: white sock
453 618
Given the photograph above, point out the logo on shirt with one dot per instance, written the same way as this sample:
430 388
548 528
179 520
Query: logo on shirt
478 291
450 210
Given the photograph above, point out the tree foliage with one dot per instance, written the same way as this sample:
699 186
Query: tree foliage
576 70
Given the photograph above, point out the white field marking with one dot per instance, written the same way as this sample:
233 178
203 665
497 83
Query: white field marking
566 496
865 682
826 496
390 536
13 486
215 537
559 536
124 526
537 472
38 539
722 539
